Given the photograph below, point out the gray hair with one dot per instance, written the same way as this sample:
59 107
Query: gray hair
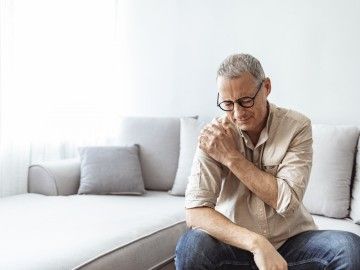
236 65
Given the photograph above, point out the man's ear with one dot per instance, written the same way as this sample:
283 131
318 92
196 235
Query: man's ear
267 85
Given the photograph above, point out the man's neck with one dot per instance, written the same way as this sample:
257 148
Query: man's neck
255 135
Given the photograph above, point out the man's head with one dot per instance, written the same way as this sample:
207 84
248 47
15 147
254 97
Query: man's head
241 78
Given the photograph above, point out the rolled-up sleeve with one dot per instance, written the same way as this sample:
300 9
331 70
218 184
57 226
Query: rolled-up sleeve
204 183
294 171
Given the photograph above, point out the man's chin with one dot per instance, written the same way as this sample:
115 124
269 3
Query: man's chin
243 127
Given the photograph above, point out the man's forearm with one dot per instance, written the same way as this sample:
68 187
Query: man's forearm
221 228
263 184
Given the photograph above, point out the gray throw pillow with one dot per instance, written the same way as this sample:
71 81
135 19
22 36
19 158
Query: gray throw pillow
189 131
110 170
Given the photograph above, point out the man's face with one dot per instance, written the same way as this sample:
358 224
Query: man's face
247 119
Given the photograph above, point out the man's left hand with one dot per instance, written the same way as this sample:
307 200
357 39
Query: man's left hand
218 140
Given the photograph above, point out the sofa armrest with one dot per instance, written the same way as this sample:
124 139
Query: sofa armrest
61 177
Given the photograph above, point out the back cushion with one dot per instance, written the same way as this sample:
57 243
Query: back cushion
355 202
189 131
328 191
159 140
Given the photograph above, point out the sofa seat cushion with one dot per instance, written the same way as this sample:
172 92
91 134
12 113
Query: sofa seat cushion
89 231
346 224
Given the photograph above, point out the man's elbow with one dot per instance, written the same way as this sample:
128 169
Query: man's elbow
288 208
289 199
194 216
190 217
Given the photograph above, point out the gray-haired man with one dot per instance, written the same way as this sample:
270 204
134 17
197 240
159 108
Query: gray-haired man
244 197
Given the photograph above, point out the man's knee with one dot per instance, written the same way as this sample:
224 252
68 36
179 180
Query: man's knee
193 250
352 251
347 248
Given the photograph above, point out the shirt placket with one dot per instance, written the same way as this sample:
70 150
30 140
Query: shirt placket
261 213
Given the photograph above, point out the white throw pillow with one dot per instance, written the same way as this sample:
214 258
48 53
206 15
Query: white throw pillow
328 191
189 131
355 203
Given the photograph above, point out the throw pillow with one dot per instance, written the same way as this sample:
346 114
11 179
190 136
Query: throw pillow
355 203
110 170
328 191
189 131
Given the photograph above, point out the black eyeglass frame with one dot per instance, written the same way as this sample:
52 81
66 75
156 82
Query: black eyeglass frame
241 100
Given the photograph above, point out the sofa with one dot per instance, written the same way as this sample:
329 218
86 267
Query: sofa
53 227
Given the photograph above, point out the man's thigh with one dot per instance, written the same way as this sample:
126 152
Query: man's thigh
322 249
198 250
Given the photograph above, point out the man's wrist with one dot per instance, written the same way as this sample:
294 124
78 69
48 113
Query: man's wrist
251 242
256 242
233 159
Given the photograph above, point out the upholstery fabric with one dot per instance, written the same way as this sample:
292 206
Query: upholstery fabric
40 232
158 139
128 257
110 170
189 131
355 202
328 191
346 224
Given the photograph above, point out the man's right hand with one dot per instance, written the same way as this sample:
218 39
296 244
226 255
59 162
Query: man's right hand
266 256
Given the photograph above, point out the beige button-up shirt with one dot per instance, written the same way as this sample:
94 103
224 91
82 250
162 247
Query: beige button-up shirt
284 149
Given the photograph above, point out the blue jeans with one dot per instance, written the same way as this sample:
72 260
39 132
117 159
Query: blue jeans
308 250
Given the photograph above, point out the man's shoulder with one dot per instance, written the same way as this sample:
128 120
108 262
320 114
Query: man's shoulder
289 117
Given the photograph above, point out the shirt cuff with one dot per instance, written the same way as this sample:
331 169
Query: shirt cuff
283 198
200 198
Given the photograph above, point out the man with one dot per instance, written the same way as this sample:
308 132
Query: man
243 201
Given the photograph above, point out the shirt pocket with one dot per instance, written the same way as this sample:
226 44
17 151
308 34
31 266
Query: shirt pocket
272 169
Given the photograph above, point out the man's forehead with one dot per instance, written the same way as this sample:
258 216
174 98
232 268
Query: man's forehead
236 87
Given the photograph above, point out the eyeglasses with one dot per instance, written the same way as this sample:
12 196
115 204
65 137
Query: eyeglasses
245 102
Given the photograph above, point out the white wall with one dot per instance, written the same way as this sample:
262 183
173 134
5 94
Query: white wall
310 50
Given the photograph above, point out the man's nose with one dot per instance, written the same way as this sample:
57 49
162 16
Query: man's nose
238 111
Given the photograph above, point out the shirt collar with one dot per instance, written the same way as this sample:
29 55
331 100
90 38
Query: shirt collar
264 135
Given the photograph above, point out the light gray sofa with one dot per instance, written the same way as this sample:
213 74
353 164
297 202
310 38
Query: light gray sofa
52 227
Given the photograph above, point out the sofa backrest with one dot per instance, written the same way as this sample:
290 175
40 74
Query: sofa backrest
159 140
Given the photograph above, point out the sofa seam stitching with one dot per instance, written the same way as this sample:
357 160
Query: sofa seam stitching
124 245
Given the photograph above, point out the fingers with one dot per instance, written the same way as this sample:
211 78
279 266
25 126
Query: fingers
203 141
217 124
226 123
217 129
203 138
211 130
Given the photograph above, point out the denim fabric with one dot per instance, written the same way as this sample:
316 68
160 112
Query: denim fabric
311 250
